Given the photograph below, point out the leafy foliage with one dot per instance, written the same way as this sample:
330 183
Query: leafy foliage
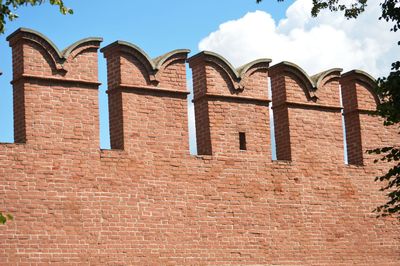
9 6
388 90
392 178
5 218
391 12
350 10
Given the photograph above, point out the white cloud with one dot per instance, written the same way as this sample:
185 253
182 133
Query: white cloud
316 44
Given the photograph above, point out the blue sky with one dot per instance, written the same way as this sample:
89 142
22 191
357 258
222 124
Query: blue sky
240 30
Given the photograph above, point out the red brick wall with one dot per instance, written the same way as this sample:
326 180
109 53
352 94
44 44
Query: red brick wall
147 201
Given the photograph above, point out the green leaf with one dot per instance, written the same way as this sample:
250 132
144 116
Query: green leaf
3 219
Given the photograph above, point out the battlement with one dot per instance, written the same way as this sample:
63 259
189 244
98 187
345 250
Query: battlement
147 200
147 101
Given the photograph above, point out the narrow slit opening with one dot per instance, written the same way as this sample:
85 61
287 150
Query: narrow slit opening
271 122
242 141
345 147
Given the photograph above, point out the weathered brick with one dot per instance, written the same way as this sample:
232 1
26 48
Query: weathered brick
148 201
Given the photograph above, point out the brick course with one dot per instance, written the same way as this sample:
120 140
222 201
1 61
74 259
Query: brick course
148 201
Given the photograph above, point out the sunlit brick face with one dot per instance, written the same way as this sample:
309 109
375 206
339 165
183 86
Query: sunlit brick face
147 201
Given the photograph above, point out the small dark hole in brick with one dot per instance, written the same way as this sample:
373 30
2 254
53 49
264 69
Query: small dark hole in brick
242 141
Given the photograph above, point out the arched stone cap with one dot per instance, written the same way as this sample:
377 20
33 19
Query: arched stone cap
58 57
323 77
236 75
311 83
161 60
152 66
360 75
368 82
300 74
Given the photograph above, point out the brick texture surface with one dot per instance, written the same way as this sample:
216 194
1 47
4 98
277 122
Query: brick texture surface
147 201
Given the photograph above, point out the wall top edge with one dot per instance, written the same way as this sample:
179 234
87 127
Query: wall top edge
62 54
